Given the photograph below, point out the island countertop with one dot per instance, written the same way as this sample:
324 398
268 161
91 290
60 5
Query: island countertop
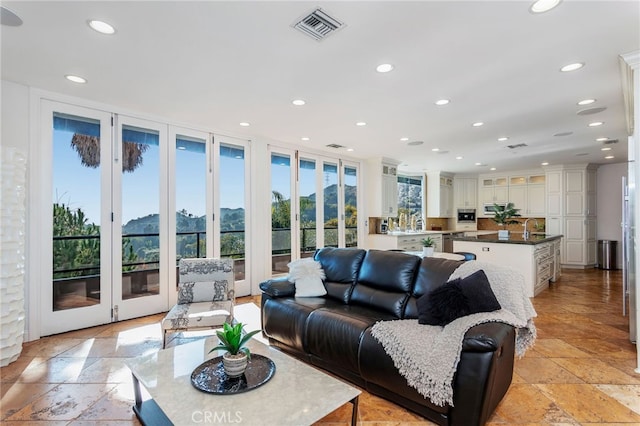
514 238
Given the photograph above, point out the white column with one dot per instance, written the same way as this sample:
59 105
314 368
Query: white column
12 250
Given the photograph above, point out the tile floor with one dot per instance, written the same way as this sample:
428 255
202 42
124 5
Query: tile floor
581 370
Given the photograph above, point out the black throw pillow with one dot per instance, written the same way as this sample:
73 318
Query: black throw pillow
457 298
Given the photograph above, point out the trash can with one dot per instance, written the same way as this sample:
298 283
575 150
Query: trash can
607 254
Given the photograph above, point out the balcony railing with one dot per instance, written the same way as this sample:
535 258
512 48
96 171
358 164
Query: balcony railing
307 244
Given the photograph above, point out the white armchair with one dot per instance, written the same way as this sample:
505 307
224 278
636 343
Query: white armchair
205 296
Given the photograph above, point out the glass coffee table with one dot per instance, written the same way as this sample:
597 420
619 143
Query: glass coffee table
297 393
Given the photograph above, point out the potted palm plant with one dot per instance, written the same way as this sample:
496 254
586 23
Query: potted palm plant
503 216
428 247
236 357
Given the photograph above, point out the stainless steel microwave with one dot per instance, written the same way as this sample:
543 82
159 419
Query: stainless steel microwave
466 215
488 209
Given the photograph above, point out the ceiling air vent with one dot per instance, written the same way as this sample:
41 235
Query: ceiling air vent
335 145
610 141
520 145
317 25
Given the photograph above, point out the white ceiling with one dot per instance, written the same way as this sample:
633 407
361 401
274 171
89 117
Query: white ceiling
215 64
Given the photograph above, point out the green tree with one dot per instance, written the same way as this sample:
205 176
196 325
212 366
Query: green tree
280 211
76 253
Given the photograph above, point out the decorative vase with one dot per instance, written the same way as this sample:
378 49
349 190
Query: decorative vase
503 234
234 365
427 251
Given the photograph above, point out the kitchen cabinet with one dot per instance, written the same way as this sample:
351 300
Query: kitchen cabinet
571 211
403 241
493 190
465 192
527 193
439 197
536 261
382 199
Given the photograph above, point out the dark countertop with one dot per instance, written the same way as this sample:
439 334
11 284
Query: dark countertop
514 238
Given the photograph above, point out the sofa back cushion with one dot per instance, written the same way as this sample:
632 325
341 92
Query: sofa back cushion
432 273
341 266
385 281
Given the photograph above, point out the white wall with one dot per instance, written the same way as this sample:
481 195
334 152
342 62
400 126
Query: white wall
610 204
15 116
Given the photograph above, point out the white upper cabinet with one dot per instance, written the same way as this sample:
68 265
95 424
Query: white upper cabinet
526 190
439 194
465 192
382 195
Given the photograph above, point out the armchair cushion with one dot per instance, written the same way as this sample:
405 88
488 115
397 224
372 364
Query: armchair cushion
196 315
205 280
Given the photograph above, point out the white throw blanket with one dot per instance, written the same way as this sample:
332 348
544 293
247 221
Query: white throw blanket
427 356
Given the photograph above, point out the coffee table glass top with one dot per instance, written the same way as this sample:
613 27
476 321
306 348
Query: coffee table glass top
297 393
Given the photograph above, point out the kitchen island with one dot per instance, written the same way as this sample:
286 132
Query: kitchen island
404 240
537 257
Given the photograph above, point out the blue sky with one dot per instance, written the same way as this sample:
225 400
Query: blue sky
79 186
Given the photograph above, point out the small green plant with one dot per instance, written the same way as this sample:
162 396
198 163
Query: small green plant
428 242
232 340
504 214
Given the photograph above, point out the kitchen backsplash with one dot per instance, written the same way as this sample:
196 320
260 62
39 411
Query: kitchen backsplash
486 224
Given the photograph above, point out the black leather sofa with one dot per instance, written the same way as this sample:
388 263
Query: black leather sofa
333 332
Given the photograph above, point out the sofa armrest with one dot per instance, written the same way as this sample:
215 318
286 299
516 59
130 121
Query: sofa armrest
278 287
486 337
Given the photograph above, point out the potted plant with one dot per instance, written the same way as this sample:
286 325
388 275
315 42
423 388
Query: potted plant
234 360
428 246
503 216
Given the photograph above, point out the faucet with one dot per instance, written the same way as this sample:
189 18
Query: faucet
526 233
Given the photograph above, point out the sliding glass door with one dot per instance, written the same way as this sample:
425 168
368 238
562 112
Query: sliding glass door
76 262
140 251
231 206
313 205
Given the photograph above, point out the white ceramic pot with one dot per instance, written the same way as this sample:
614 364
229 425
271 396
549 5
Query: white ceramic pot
427 251
234 365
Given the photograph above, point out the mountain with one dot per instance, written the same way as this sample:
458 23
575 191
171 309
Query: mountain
230 220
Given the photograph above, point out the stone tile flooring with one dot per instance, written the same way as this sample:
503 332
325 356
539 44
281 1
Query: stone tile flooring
581 370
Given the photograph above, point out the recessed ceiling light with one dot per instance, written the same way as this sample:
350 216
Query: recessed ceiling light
602 139
596 123
478 164
182 148
75 78
304 138
503 139
244 124
586 101
478 124
572 67
544 164
384 68
9 17
441 102
606 148
350 149
404 139
435 149
542 6
298 102
493 168
609 157
361 123
101 27
459 157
